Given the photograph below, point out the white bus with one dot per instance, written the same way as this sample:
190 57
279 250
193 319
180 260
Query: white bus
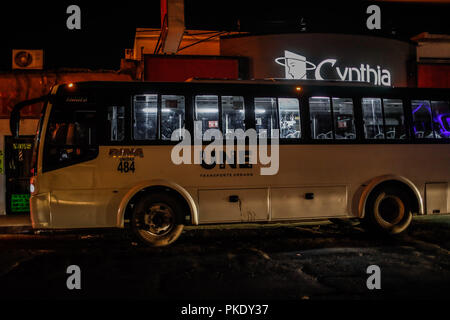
103 155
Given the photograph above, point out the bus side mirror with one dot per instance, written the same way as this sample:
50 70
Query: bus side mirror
14 123
14 120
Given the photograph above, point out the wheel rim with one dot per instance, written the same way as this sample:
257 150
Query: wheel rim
389 210
157 220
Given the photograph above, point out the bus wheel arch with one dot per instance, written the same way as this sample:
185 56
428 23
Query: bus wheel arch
132 197
387 204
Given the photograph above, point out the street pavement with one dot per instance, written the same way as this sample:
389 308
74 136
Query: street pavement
268 262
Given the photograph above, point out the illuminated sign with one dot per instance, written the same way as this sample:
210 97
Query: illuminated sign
22 146
76 99
296 67
20 202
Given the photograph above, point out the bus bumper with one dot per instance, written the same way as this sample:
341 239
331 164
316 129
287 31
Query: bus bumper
40 211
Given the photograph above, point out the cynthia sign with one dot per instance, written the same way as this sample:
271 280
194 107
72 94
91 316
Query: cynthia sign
296 67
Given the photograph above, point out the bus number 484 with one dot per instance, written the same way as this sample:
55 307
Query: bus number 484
125 166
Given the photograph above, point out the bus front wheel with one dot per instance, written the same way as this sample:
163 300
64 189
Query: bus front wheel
156 219
388 210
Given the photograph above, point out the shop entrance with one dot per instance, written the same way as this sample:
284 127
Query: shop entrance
17 163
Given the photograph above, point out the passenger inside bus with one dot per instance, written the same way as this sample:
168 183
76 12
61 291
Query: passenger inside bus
172 115
145 117
233 114
288 109
70 134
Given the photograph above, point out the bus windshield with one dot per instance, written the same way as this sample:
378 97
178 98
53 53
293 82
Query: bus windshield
71 135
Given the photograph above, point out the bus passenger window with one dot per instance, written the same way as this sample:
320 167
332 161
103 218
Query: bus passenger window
288 109
422 124
441 119
394 119
266 116
373 118
344 121
320 116
172 115
145 117
207 111
116 123
233 114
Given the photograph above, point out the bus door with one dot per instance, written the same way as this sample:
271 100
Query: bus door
70 163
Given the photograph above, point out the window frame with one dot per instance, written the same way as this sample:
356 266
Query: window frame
406 125
249 92
357 118
277 121
292 140
160 114
188 114
221 115
354 118
429 99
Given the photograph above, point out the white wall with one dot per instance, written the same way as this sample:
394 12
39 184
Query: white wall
437 50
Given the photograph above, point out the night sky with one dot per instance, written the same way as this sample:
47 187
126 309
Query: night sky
107 28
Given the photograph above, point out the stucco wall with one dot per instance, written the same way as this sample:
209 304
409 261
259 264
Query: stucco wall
16 87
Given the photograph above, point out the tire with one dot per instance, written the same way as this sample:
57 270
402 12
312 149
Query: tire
388 210
157 219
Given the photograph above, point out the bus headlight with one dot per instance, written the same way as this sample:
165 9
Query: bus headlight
32 186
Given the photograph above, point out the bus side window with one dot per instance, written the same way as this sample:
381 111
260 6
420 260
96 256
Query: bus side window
266 116
441 119
373 118
116 123
344 120
233 114
145 117
172 115
394 119
207 111
320 116
422 124
288 109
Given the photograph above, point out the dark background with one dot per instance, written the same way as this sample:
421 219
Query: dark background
107 28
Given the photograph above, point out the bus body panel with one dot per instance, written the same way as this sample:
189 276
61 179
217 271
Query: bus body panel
316 179
95 194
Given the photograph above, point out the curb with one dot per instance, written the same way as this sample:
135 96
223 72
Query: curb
16 229
15 223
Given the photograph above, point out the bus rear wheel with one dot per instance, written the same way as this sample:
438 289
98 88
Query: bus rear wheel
156 220
388 210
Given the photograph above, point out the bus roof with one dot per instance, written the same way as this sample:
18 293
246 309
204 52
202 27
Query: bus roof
282 84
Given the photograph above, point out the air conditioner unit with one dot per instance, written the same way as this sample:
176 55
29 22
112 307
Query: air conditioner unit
27 59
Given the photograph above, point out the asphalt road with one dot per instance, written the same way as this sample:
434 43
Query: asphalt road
309 262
